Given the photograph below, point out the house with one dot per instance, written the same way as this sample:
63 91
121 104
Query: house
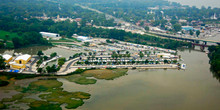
7 58
21 61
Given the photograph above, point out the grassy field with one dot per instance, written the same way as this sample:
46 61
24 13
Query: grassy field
11 35
11 77
65 44
2 106
80 79
64 40
108 74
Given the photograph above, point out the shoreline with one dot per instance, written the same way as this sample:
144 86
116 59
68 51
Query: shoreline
89 67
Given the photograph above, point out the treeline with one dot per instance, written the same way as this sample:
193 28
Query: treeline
18 16
133 11
214 56
28 29
130 37
38 8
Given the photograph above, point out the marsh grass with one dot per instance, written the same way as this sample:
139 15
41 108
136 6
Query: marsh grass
2 106
13 98
44 105
53 96
107 74
80 79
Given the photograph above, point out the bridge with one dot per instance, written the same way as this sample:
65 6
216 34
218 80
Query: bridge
195 41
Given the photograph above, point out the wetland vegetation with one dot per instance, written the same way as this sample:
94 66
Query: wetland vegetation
82 76
47 92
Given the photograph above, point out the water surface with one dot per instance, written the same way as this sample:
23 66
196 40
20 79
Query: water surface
156 89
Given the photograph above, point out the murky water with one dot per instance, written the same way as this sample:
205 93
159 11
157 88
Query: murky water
156 89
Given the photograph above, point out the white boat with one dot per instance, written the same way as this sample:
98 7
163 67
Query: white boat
183 66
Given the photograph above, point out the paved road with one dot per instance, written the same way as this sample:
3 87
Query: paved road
186 38
117 20
70 64
32 63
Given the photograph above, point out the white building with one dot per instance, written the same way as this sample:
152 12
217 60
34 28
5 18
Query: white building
53 36
157 29
164 55
83 39
7 58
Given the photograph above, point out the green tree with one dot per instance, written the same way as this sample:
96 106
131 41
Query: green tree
39 53
176 27
51 69
7 36
165 61
146 61
61 61
2 63
45 57
40 70
118 51
53 54
191 32
197 33
141 54
86 44
87 62
147 28
90 53
127 52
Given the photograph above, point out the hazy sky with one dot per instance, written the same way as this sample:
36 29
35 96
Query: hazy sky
199 3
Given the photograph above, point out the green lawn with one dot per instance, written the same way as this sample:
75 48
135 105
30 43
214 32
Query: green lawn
11 35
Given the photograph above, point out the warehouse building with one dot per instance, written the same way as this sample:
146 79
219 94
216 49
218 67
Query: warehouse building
53 36
83 39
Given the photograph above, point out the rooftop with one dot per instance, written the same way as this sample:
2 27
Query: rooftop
6 56
23 57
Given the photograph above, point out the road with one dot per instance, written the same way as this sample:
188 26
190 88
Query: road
32 63
184 38
117 20
70 64
133 26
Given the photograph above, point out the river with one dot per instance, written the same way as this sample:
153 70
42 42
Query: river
199 3
154 89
